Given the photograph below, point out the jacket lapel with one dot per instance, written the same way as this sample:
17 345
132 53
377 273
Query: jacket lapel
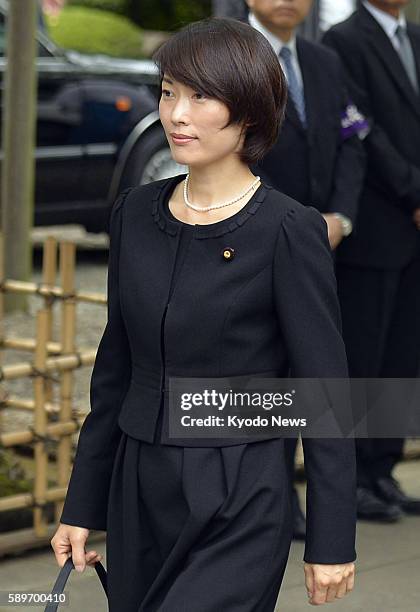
292 115
384 49
415 43
310 74
291 112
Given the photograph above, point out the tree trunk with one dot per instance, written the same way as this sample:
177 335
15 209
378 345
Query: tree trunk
18 128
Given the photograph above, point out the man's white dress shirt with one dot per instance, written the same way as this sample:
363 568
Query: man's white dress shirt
277 45
388 23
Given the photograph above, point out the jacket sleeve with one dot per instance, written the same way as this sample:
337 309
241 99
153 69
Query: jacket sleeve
305 293
350 164
87 494
398 176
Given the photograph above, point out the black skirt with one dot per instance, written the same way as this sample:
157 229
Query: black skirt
203 529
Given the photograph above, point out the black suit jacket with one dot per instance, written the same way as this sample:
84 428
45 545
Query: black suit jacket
385 236
272 307
317 166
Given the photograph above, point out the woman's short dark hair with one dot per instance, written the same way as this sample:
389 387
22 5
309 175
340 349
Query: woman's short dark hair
232 62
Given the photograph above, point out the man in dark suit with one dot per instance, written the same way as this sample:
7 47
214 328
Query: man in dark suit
379 268
318 158
314 161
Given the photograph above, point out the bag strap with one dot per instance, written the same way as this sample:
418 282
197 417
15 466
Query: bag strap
62 578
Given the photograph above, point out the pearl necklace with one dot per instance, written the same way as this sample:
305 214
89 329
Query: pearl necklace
213 206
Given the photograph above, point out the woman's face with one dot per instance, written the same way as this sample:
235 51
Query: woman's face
190 113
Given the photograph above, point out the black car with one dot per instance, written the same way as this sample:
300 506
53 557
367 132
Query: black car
98 131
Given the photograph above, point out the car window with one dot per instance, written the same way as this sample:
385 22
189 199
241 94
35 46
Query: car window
43 51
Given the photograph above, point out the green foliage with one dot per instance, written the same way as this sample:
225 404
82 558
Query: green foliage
12 475
166 15
14 480
90 30
113 6
10 487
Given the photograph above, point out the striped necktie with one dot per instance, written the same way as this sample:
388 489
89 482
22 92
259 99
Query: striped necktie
295 90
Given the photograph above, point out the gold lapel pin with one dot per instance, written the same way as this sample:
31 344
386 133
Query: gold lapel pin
228 253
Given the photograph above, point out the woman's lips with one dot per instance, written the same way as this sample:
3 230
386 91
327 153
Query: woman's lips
179 140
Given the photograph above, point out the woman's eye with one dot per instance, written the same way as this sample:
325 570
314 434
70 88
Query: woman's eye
166 93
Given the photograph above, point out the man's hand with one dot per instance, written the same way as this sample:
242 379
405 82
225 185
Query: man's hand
416 217
335 230
325 583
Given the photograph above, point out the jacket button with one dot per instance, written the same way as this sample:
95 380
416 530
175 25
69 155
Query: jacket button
228 253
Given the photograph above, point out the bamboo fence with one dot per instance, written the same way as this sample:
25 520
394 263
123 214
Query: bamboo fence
52 363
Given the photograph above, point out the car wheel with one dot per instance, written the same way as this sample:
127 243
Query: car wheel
150 160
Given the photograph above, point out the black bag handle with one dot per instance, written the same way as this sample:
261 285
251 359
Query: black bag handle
62 578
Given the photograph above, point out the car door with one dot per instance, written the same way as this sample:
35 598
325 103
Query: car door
60 142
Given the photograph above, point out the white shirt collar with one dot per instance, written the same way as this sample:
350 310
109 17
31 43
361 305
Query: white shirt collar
274 40
388 23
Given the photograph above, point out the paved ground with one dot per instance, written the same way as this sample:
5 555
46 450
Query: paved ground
388 569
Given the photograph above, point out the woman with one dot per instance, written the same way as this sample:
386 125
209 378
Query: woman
211 274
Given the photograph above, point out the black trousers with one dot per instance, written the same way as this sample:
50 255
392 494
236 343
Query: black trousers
381 329
203 529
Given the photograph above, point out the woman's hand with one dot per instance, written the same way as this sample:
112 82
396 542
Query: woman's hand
325 583
69 541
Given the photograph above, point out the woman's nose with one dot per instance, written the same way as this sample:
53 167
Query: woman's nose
180 111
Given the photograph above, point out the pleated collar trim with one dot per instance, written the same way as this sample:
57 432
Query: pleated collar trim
212 230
